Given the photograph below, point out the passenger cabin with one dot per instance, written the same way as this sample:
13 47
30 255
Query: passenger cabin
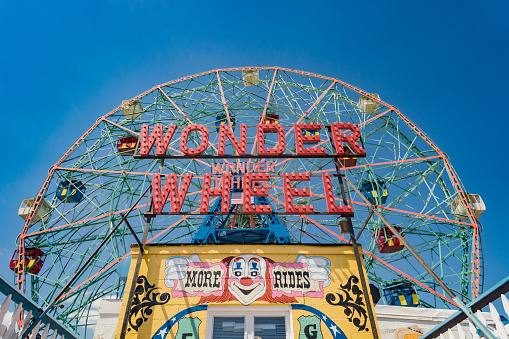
347 162
133 111
387 241
43 211
367 105
251 77
271 119
223 119
375 191
70 191
126 146
476 205
34 260
308 133
400 293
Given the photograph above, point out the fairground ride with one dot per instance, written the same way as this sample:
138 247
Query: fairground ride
98 181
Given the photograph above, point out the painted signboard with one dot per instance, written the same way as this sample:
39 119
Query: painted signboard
247 291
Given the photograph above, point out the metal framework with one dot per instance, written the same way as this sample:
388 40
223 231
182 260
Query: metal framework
419 180
267 228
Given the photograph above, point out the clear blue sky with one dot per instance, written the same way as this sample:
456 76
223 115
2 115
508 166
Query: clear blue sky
63 64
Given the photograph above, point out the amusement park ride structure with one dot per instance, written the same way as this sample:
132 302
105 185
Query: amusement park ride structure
299 132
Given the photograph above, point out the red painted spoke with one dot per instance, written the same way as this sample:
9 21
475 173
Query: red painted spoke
373 118
125 255
122 127
266 105
224 100
181 112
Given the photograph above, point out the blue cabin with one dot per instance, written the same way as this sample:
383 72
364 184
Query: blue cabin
375 191
223 119
70 190
307 132
400 293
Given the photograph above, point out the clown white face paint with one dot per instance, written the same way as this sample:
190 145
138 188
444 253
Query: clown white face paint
246 280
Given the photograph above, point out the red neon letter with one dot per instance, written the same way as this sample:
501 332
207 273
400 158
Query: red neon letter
301 139
226 131
170 188
296 192
250 191
147 141
203 143
329 198
339 138
223 192
260 134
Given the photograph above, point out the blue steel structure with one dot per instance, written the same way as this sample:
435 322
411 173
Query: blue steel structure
213 229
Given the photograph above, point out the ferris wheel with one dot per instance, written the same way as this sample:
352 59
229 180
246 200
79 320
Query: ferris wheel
98 181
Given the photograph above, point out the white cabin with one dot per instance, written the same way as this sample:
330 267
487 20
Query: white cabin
250 77
368 105
43 211
476 205
133 111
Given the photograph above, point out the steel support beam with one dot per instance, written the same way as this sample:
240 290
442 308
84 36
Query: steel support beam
439 281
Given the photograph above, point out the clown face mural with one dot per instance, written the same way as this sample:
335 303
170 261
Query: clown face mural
246 278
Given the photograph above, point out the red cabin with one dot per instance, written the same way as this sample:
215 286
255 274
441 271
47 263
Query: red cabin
126 146
387 241
347 162
271 119
34 259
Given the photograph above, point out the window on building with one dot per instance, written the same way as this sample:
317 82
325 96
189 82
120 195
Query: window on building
228 328
269 327
249 323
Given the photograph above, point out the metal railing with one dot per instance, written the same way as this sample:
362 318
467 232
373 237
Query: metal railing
500 329
30 311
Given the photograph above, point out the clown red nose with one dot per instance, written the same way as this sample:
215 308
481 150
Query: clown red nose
246 281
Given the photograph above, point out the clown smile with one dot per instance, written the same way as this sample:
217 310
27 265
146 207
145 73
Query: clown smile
249 294
246 292
238 286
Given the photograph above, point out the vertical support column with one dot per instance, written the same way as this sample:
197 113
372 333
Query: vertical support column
359 261
353 240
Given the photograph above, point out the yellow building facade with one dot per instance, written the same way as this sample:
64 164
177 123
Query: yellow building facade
247 291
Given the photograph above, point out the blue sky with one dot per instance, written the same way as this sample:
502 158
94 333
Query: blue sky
443 64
